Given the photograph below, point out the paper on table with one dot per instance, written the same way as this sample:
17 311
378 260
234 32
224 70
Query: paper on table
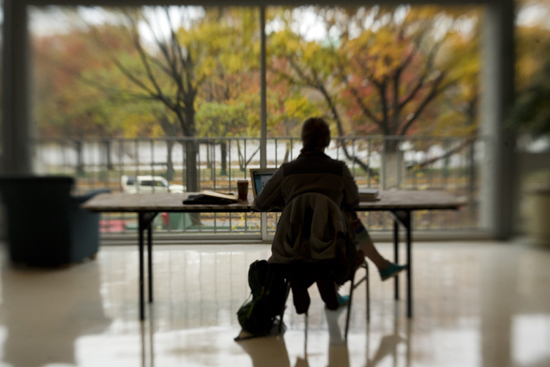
221 195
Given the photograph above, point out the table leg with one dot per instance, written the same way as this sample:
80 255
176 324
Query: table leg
396 255
141 223
407 223
404 217
150 260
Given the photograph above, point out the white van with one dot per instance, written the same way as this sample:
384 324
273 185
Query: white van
148 184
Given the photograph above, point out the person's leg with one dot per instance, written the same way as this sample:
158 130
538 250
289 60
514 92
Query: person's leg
301 276
373 255
327 287
364 242
365 245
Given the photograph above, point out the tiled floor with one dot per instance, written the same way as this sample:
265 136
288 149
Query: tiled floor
476 304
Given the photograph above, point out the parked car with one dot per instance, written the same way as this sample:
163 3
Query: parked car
148 184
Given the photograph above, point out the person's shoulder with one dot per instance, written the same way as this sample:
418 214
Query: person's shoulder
335 161
284 165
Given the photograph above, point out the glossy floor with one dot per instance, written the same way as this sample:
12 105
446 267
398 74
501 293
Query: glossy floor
476 304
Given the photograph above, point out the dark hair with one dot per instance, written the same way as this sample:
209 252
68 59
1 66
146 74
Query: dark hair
315 135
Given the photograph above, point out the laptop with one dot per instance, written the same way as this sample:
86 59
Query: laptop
259 176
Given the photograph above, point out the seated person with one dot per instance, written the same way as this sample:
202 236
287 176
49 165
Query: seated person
315 172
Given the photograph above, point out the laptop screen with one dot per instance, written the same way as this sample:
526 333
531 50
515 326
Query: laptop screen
259 177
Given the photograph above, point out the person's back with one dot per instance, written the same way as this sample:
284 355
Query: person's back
315 172
312 234
312 172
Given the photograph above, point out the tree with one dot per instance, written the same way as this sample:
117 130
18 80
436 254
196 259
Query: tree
377 71
177 69
222 120
65 105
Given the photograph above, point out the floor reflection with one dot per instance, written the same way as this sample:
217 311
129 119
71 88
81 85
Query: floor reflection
272 351
269 350
476 304
42 319
387 348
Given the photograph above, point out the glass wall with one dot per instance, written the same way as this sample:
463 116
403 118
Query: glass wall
174 93
532 78
171 92
395 83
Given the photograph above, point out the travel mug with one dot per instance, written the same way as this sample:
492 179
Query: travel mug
242 189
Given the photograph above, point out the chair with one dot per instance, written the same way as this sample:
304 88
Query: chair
312 243
45 225
353 285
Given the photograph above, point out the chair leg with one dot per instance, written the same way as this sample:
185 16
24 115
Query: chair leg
305 338
351 288
367 280
354 285
282 313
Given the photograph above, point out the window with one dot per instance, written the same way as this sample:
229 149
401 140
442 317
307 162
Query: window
174 92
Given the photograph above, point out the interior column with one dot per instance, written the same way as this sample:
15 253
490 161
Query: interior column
497 188
16 128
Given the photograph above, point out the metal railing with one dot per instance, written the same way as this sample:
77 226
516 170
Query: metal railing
420 163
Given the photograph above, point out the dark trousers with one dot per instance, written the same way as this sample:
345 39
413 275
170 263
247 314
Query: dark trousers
302 275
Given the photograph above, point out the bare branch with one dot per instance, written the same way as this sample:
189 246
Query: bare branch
428 66
144 58
118 64
447 154
433 93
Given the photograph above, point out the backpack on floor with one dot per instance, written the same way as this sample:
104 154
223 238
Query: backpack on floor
269 290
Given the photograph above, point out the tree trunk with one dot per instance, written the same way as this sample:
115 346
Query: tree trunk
191 169
169 162
208 158
223 148
212 159
392 172
108 161
192 173
287 152
79 159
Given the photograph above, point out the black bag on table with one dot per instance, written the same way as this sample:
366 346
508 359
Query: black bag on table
205 199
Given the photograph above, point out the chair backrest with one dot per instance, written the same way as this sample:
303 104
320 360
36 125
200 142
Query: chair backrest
313 217
313 228
36 215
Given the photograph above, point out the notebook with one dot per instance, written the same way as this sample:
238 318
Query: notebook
259 176
368 194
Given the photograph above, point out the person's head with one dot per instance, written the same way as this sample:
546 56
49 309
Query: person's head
315 135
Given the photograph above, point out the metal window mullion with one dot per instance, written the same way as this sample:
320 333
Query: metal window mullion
183 172
276 152
213 164
229 164
245 165
152 147
213 171
353 160
136 159
199 178
120 216
199 163
263 112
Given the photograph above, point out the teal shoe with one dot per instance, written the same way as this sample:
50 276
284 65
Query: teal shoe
391 271
342 300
